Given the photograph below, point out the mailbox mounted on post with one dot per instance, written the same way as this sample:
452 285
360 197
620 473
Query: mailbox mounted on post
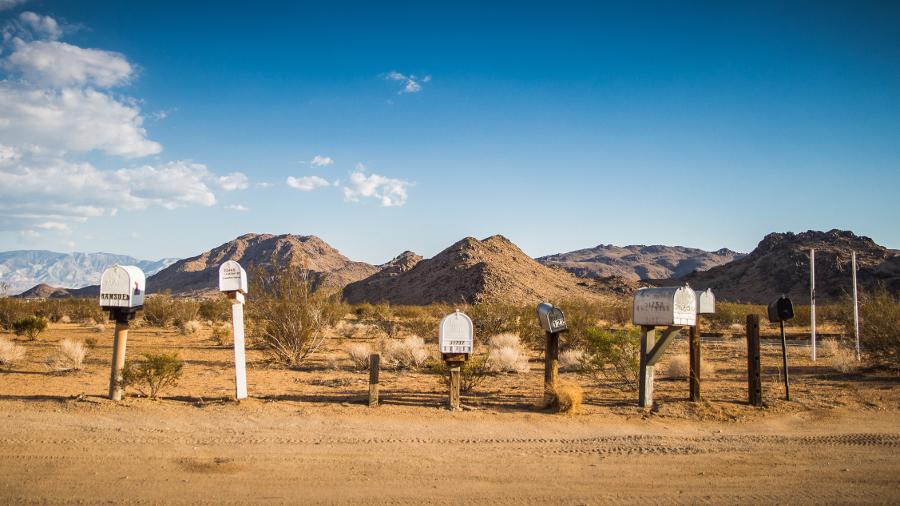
456 334
669 306
122 290
551 318
781 310
706 301
232 278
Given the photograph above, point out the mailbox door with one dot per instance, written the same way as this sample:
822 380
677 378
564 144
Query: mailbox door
456 333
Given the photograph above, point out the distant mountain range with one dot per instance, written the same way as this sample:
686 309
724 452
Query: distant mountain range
24 269
639 262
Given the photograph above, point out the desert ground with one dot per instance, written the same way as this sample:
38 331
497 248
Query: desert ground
308 435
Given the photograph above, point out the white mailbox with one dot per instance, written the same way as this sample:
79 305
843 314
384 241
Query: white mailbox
456 334
232 277
706 301
122 286
668 306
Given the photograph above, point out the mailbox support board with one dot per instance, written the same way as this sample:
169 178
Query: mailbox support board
651 352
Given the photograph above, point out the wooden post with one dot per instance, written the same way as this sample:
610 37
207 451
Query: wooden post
374 369
787 380
754 379
695 361
118 360
855 305
240 358
645 385
551 368
455 371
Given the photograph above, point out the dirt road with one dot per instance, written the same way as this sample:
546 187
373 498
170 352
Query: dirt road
90 450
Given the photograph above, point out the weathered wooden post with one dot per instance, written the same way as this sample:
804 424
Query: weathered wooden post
233 281
754 379
672 307
122 290
456 339
706 304
553 322
374 370
780 311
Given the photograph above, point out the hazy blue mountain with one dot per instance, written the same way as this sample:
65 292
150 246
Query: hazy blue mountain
24 269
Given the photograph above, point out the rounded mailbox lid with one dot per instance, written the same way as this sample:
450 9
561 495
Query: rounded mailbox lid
122 286
668 306
551 318
232 277
706 301
456 333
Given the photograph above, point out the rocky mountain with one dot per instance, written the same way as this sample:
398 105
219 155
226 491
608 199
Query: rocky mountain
199 274
44 291
638 262
471 271
780 265
24 269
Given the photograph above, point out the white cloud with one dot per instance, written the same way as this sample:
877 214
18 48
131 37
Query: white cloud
234 181
391 192
307 183
72 119
237 207
9 4
321 161
264 184
41 26
57 64
410 83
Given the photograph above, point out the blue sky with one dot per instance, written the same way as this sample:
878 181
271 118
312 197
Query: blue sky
560 126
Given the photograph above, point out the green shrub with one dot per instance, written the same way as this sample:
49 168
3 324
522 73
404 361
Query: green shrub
30 326
472 373
613 356
215 309
879 326
152 373
11 311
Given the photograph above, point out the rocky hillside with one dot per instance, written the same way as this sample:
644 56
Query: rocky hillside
638 262
23 269
471 271
44 291
200 273
780 265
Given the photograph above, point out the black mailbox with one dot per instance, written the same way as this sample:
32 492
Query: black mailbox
781 310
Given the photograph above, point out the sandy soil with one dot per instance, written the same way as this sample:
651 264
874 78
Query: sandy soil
306 436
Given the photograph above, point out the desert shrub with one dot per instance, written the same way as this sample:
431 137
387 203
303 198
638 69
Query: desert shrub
11 311
613 357
288 317
879 326
10 352
69 356
472 373
188 328
221 334
839 356
215 309
679 366
30 326
506 354
99 328
152 373
565 398
491 319
85 311
359 353
410 353
91 342
730 313
159 309
65 319
570 360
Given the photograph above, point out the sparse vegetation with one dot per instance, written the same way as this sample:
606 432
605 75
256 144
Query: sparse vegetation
566 397
879 326
570 360
409 353
288 317
11 353
188 328
506 354
472 373
215 309
152 373
69 357
840 356
221 334
359 353
679 366
30 326
613 356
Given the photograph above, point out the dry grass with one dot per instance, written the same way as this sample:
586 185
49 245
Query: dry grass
506 354
410 353
570 360
221 334
567 397
65 319
679 367
189 328
99 328
68 357
10 352
359 353
841 357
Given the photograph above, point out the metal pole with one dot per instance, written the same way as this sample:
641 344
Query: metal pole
812 299
855 305
787 381
240 360
118 359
